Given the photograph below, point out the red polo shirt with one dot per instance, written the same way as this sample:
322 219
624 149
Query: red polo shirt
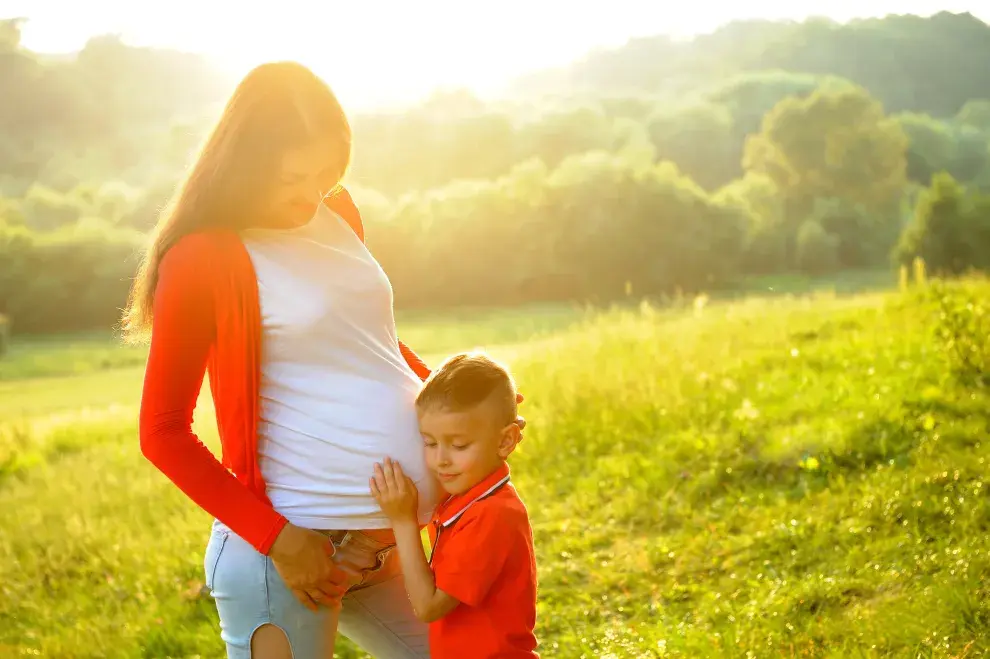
483 557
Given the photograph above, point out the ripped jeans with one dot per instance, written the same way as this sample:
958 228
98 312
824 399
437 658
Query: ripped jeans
375 612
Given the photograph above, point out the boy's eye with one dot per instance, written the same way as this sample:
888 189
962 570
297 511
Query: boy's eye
459 447
430 443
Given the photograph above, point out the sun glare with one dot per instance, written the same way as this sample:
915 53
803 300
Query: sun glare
382 51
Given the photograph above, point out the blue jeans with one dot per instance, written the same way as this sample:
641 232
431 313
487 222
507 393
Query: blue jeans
375 613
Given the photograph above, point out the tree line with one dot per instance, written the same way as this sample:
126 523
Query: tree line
580 197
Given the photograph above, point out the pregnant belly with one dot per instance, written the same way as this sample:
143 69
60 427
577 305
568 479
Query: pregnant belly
318 452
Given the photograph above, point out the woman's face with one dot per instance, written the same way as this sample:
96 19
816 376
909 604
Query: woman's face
306 175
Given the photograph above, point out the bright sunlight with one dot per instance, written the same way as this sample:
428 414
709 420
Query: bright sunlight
391 51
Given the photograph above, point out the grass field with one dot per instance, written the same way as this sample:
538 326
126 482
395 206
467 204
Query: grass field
779 477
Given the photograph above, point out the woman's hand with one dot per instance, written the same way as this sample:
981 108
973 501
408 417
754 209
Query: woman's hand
395 492
303 558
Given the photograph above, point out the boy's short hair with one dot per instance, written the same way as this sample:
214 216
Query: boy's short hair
466 380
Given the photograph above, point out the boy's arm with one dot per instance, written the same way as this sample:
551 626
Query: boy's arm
397 495
429 602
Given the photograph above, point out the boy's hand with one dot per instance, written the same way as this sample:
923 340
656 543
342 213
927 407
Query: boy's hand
395 492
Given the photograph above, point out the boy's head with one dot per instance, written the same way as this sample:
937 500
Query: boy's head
467 416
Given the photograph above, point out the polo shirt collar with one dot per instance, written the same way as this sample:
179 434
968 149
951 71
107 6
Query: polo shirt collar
453 507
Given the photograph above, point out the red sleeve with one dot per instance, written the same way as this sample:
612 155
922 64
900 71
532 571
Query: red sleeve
474 557
182 333
415 363
341 203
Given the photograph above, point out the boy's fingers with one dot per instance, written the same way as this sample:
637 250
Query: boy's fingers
375 492
389 474
379 479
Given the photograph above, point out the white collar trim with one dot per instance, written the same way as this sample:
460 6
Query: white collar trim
473 501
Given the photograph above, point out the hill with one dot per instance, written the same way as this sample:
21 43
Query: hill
910 63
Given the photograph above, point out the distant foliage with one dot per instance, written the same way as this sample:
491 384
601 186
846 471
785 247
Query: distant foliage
70 279
836 142
660 167
950 229
4 334
976 113
908 62
817 250
958 146
580 231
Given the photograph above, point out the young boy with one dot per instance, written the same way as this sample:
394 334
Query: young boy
478 588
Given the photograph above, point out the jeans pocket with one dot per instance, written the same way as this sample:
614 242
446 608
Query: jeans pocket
360 557
380 560
218 538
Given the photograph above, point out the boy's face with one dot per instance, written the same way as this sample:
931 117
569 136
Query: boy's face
462 448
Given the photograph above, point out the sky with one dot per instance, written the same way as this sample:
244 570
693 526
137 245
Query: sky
393 51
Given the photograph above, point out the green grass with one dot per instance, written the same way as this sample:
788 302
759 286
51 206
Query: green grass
845 282
767 477
427 332
32 357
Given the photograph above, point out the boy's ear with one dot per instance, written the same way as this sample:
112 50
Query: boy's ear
511 435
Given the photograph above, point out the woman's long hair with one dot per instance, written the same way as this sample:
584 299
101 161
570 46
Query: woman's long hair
276 107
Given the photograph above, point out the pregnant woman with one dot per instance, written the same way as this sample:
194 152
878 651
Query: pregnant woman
258 275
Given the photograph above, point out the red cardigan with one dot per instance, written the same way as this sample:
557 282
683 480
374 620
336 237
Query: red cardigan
207 318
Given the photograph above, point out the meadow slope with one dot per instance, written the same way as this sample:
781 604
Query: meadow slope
765 477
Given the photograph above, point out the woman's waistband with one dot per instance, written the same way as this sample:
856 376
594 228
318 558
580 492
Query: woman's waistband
374 538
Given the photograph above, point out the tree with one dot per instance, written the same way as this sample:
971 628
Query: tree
701 140
749 96
930 146
836 142
950 229
958 146
976 113
767 241
817 249
861 239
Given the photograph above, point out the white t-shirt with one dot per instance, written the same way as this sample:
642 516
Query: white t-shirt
336 393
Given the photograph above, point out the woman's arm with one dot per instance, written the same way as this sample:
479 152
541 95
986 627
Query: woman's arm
183 331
